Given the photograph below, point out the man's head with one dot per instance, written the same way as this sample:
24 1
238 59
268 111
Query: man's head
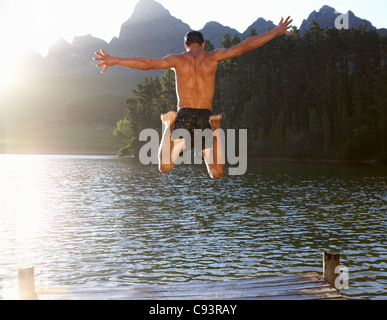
193 37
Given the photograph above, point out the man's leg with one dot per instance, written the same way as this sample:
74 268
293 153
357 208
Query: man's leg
214 157
169 149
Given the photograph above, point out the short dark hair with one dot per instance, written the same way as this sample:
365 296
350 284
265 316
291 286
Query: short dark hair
194 37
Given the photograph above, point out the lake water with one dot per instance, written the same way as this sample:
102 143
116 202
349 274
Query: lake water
101 221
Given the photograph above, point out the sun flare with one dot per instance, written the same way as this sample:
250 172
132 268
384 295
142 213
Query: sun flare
25 26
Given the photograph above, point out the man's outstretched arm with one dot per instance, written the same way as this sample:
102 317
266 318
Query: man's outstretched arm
134 63
253 42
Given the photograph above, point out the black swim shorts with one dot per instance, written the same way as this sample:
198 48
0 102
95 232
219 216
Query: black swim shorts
191 119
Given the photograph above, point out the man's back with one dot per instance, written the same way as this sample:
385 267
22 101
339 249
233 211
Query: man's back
195 79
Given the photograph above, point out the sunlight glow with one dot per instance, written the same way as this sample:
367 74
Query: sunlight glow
21 205
24 25
22 215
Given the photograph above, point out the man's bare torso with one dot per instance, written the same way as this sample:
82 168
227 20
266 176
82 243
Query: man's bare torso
195 79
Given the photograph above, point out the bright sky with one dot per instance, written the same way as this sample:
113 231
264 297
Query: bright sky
40 23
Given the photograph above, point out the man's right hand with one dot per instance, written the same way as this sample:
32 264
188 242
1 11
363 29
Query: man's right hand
106 60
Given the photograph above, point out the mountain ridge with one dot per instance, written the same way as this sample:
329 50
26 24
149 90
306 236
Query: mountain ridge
326 17
153 32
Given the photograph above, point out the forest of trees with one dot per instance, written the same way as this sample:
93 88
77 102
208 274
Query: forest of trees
321 96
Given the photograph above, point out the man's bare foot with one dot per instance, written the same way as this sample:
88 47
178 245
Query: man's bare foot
169 119
215 121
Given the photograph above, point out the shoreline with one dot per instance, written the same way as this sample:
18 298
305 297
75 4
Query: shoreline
97 154
110 152
327 161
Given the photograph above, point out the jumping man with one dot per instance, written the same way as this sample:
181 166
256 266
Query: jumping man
195 72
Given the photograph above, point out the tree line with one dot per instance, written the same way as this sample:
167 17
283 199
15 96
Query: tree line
320 96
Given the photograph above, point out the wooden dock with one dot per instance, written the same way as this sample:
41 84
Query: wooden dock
309 286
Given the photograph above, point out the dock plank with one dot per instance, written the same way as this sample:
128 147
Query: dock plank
308 286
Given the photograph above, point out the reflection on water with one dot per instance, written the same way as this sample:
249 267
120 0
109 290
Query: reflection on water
99 221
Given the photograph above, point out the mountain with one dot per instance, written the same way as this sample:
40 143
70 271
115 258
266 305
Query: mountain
260 26
65 58
213 31
326 18
31 63
151 31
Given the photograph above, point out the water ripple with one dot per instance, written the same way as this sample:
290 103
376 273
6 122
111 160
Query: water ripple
105 220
